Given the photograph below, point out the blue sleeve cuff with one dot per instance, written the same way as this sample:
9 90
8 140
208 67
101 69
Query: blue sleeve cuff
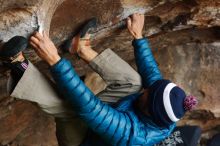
60 64
138 43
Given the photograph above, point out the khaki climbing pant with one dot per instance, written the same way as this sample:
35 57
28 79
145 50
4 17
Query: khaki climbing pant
120 80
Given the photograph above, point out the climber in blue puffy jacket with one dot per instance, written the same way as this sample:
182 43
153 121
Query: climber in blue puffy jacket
142 118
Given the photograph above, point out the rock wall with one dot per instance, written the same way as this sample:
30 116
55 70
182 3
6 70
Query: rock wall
184 35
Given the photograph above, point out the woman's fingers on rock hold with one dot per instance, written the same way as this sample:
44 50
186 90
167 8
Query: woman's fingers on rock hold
129 22
34 40
34 45
38 36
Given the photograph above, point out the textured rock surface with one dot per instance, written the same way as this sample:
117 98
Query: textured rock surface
184 35
22 123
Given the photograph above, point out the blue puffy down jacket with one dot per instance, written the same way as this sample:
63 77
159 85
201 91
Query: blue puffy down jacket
122 125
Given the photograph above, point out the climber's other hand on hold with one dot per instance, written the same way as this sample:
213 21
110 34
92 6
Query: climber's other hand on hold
45 48
135 25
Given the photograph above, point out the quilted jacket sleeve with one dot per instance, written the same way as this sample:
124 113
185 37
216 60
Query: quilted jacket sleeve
146 64
112 125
